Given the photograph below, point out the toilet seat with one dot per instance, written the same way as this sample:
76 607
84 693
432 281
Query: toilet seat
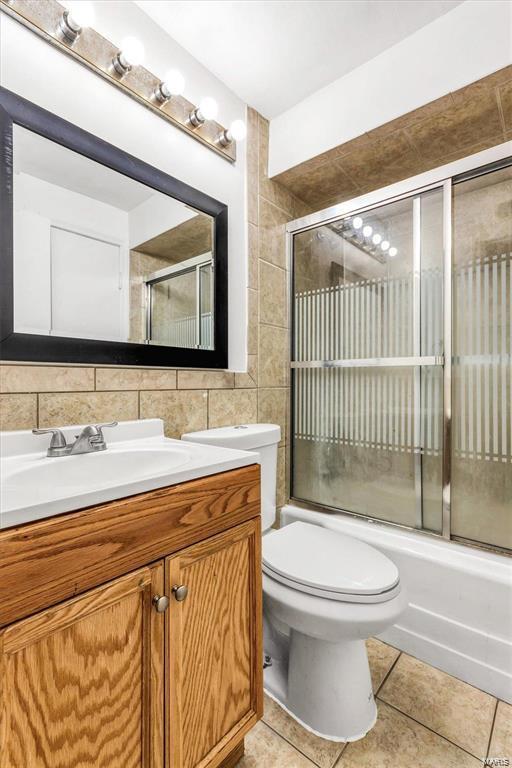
325 563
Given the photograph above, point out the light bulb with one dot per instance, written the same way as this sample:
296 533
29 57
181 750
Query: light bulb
76 16
208 108
132 51
81 13
367 230
392 251
130 55
238 130
384 245
376 238
173 84
357 222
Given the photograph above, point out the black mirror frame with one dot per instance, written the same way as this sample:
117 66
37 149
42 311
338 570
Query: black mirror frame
36 348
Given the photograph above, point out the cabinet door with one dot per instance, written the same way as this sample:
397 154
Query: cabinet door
81 684
215 682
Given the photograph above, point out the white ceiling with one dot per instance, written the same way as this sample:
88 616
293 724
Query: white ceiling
58 165
274 53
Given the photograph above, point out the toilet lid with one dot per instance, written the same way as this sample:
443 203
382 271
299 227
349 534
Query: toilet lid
309 556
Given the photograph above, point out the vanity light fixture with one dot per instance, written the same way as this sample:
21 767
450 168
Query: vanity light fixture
173 84
130 54
74 18
207 110
237 131
69 26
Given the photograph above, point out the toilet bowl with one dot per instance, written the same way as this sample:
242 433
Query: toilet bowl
324 595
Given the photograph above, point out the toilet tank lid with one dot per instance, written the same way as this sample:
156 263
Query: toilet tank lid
242 436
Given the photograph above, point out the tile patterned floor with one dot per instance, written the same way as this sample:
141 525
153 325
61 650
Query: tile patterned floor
427 719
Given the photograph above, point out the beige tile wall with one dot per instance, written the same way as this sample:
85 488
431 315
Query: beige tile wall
38 395
458 124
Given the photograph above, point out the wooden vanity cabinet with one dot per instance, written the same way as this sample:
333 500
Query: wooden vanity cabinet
103 679
214 651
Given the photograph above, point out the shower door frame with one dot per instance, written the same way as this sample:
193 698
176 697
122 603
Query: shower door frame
440 178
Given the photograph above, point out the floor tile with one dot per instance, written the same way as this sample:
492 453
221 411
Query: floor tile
396 741
381 657
265 749
501 741
321 751
448 706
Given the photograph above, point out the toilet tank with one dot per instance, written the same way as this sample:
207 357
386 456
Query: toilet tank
261 439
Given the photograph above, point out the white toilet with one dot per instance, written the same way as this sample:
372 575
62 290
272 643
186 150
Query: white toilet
324 594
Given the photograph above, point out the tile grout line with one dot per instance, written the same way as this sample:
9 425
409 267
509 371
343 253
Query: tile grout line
445 738
291 744
492 728
460 680
388 672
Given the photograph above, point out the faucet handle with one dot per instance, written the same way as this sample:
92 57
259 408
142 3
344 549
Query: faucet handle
58 440
58 445
101 427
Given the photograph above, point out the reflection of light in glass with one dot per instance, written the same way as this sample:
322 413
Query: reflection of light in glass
384 245
376 238
367 230
357 222
392 251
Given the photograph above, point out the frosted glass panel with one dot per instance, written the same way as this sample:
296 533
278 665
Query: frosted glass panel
368 375
365 443
482 370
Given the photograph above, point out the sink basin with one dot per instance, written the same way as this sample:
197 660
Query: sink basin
138 458
43 479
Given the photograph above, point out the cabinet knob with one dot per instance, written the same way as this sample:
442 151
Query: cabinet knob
161 603
180 592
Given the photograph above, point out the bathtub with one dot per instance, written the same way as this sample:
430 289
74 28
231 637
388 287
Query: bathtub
459 617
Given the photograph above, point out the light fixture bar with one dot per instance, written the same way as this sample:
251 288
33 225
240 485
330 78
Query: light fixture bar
98 54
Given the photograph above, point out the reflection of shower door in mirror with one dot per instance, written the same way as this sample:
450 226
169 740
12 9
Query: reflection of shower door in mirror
368 362
179 304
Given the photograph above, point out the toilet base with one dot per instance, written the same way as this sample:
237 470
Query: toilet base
326 687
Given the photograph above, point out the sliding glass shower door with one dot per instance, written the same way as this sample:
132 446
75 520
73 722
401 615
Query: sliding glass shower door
368 363
402 360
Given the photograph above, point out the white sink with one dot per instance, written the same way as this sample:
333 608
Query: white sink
138 458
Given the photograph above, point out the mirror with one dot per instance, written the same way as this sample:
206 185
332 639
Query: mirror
99 255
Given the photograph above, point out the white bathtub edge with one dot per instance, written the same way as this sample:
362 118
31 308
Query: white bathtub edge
463 628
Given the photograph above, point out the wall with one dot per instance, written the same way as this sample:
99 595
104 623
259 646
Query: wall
462 46
61 85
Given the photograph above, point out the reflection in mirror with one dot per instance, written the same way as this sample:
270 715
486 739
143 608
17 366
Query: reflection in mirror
98 255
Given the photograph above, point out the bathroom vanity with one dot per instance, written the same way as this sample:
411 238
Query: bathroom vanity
130 630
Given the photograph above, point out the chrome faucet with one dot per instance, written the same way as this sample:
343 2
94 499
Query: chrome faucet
89 440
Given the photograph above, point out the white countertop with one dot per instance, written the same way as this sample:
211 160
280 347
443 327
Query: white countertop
138 458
